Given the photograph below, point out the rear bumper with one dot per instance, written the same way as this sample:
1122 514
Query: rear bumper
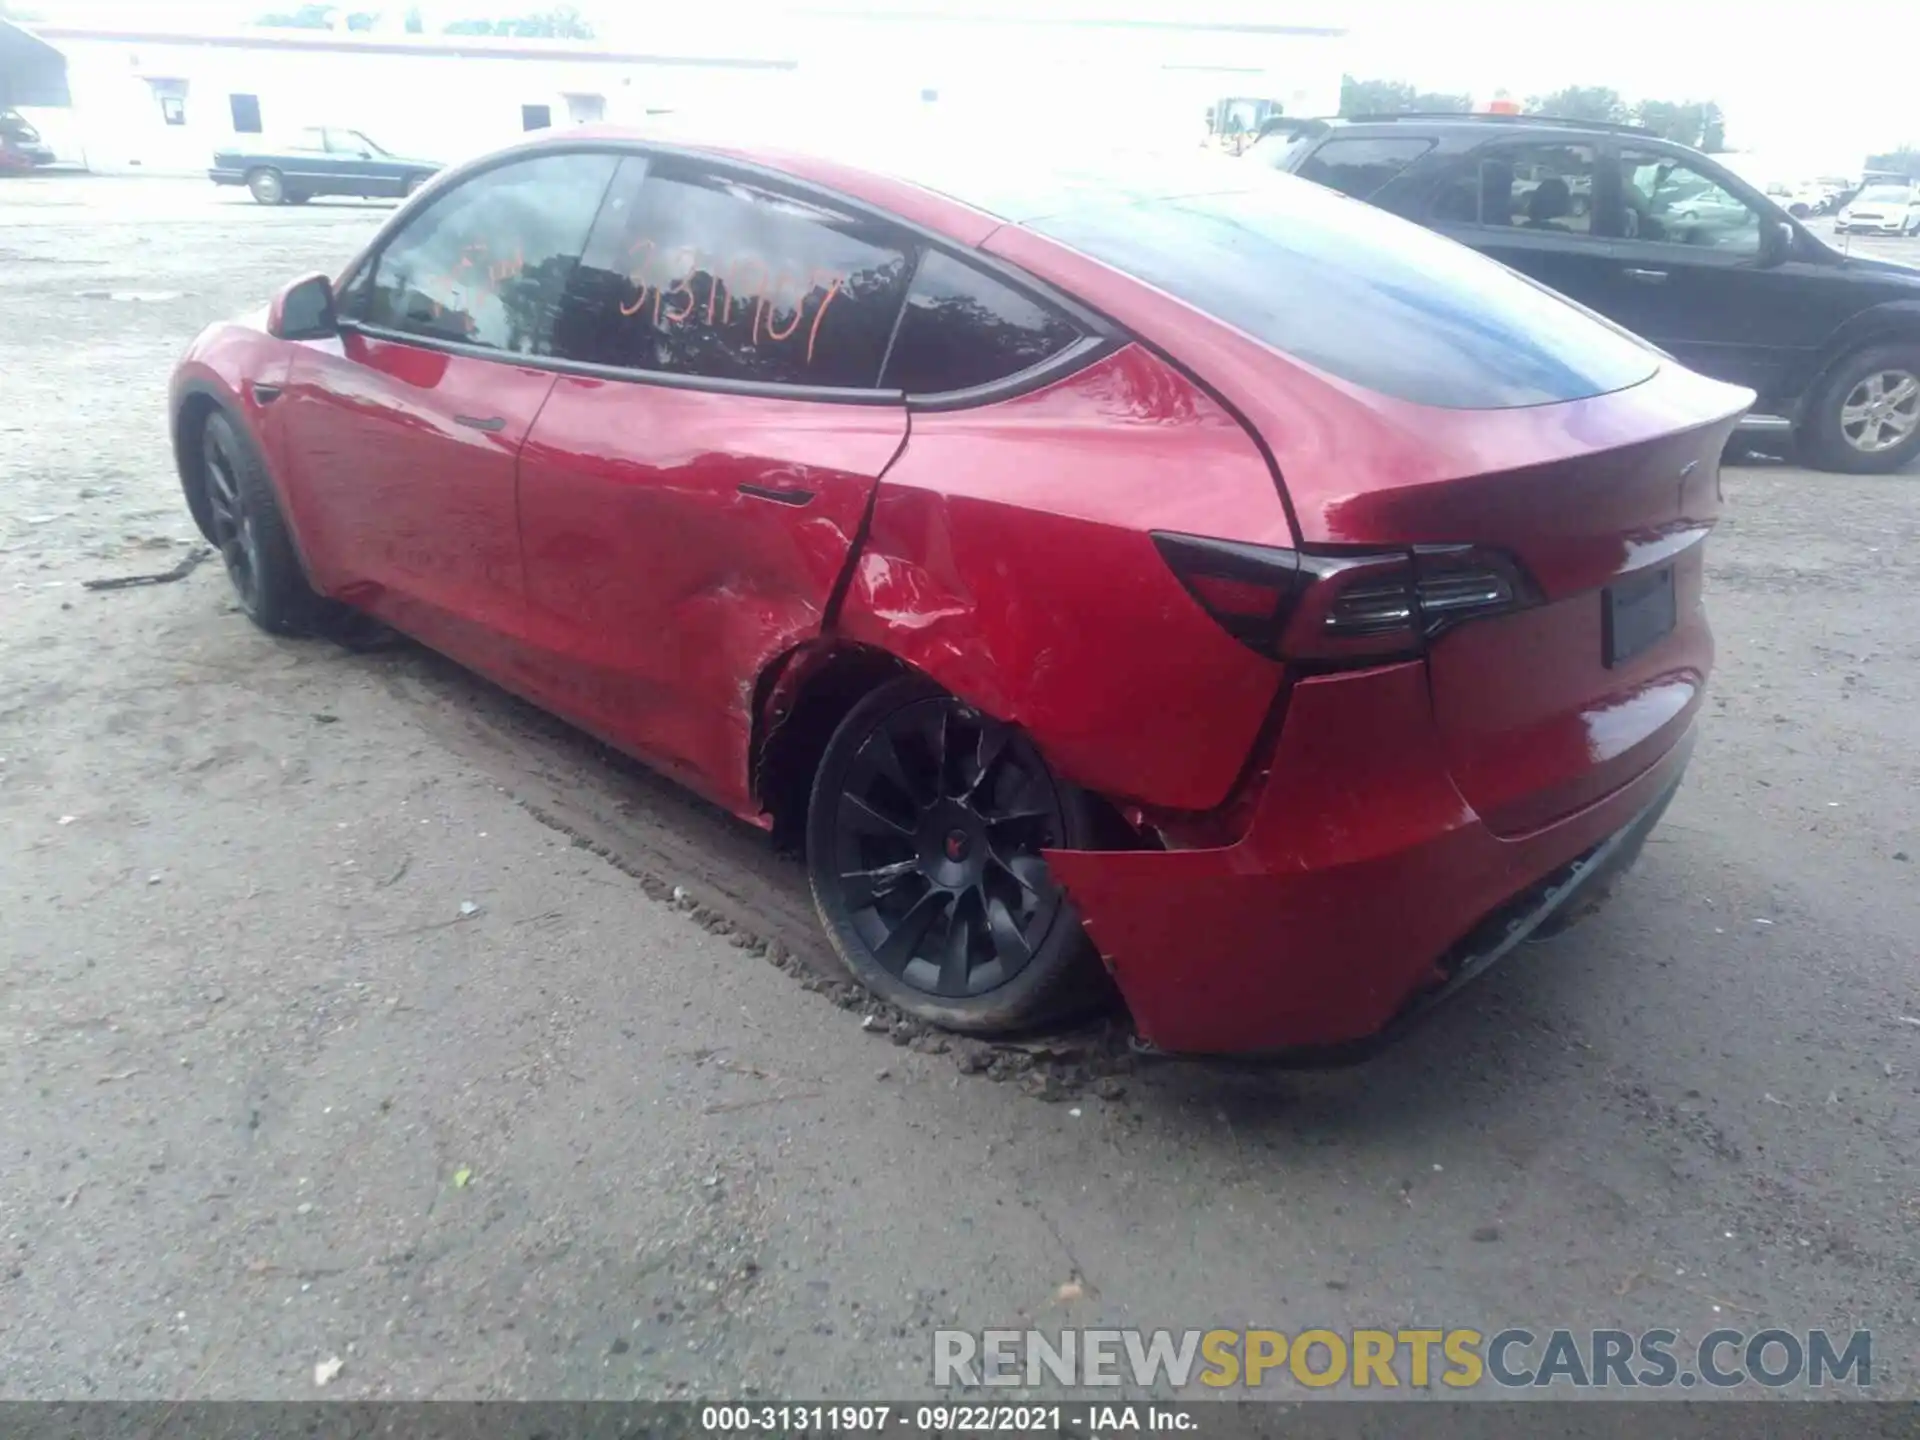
1365 890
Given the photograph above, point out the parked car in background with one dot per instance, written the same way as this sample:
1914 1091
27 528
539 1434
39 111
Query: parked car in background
322 160
1801 200
1882 208
21 147
843 495
1672 245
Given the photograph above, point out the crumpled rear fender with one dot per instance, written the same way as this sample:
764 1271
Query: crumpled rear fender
1010 557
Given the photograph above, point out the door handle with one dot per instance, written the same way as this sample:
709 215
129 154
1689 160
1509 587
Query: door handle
1646 277
489 423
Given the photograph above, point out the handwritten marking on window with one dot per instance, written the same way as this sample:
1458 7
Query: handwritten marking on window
774 304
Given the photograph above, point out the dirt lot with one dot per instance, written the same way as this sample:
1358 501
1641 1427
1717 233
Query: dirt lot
270 1097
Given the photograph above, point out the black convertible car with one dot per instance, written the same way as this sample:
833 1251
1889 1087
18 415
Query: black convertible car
321 161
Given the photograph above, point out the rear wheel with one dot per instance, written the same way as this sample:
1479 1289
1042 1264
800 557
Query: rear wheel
268 185
1866 417
246 527
924 840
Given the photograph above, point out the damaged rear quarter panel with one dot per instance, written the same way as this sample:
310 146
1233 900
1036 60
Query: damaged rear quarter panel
1010 558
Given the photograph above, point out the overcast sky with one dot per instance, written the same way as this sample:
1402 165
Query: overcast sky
1820 84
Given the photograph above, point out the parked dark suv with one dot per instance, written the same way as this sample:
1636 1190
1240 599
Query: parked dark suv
1662 240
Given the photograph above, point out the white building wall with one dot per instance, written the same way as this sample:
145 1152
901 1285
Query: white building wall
1063 83
442 107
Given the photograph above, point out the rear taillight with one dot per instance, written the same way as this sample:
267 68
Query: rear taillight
1344 609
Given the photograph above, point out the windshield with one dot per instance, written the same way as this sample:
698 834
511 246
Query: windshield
1884 195
366 144
1361 295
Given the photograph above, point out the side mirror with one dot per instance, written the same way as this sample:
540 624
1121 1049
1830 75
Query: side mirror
303 310
1776 242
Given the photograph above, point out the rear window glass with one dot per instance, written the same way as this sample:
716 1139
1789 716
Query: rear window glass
1359 167
964 329
1361 295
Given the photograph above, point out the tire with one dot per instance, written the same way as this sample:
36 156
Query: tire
925 864
415 184
246 527
1865 418
268 185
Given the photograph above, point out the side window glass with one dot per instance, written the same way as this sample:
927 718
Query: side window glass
488 263
1665 199
1523 187
693 272
963 328
1360 167
310 141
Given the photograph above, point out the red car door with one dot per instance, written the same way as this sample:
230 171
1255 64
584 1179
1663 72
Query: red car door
688 508
403 434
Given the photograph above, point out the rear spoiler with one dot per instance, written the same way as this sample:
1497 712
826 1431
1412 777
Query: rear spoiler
1291 127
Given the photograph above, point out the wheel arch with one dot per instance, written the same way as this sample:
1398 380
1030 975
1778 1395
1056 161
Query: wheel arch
1892 322
196 401
799 700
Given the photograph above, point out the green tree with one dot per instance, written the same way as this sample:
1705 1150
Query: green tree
307 17
1581 102
1903 161
556 22
1395 97
1686 122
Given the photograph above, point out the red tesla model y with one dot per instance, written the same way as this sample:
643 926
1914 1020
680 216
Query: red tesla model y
1186 569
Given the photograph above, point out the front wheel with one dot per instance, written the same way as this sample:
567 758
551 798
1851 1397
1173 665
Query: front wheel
246 527
1866 417
269 186
924 840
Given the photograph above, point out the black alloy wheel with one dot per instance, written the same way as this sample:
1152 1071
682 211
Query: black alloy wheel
231 527
244 523
925 836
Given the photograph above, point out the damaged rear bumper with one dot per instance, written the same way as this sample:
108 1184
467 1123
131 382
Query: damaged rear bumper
1365 891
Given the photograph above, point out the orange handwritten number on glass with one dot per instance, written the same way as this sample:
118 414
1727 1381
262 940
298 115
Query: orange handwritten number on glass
636 276
813 334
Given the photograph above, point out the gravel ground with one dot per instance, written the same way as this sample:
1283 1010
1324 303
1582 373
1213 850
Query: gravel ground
348 1010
